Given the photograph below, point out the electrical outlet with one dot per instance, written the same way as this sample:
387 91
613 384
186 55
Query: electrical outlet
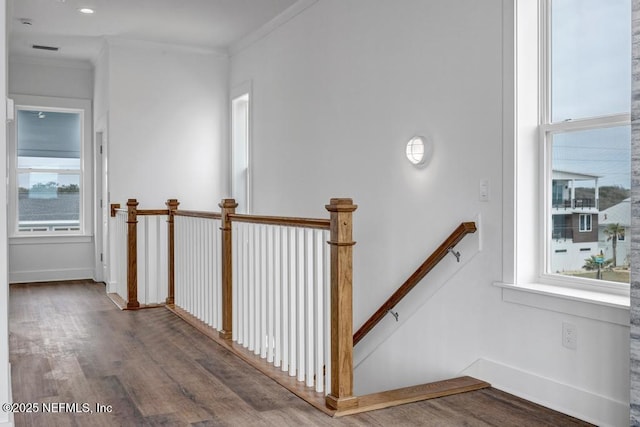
569 336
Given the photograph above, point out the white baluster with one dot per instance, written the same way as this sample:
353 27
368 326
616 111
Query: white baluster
217 272
263 291
319 308
236 291
193 265
252 287
244 299
301 357
277 292
177 254
195 284
181 252
309 309
284 254
293 303
207 269
327 313
202 262
185 263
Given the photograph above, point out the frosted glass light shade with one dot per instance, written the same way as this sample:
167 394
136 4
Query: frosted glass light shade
416 150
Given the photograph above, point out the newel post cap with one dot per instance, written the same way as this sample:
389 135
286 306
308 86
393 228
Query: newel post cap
228 204
341 205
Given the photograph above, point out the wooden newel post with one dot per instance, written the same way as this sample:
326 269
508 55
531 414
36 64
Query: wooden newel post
132 254
341 397
172 204
227 206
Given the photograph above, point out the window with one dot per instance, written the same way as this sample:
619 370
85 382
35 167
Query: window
240 137
48 170
49 184
585 129
585 223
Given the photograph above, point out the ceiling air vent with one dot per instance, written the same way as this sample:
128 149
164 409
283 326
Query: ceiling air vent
49 48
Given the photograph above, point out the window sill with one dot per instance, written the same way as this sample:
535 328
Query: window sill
605 307
49 240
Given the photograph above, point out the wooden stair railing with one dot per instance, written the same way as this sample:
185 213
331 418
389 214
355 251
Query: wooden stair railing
458 234
341 400
132 211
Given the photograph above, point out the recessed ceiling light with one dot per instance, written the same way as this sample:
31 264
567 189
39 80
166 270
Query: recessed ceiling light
86 10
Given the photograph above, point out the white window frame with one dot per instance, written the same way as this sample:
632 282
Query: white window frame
524 154
587 223
547 130
241 91
82 106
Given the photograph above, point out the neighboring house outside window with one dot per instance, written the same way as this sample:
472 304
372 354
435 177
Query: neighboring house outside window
586 134
612 225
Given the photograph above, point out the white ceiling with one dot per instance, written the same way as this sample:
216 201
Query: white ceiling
211 24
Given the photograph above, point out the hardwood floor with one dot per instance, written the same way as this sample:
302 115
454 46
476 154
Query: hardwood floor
70 344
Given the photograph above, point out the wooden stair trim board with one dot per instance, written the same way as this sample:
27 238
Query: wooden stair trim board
117 300
296 387
369 402
122 304
417 393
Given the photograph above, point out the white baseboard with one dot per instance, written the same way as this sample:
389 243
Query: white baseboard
112 287
582 404
50 275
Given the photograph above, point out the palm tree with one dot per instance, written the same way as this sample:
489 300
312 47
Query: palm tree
592 263
612 232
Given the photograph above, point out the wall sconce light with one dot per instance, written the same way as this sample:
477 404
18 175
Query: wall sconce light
419 150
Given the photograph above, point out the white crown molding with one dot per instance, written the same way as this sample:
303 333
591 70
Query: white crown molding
50 62
144 44
287 15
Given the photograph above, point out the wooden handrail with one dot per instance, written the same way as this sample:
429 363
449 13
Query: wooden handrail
151 212
114 208
280 220
198 214
433 260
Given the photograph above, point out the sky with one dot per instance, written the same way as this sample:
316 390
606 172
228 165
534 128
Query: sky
591 76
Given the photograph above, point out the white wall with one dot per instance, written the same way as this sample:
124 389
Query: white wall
50 77
337 93
167 113
43 259
5 369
